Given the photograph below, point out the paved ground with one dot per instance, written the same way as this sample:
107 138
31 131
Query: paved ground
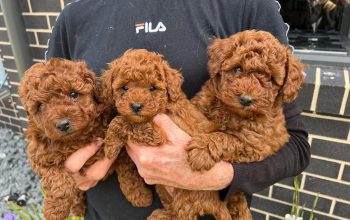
16 176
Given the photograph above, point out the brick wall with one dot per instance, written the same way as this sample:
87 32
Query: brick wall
9 116
324 99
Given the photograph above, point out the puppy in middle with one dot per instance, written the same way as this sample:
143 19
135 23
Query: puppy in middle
141 84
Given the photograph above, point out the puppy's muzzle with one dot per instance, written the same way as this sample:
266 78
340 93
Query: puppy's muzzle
246 100
136 107
63 124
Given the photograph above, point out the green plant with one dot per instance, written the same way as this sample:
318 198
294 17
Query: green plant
32 212
297 211
296 198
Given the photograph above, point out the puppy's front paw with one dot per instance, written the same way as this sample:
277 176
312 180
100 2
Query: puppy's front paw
199 155
79 210
111 151
161 214
78 207
141 197
148 134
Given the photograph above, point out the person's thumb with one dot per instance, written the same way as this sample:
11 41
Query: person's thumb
169 128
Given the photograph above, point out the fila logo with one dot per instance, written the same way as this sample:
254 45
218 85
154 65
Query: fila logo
147 26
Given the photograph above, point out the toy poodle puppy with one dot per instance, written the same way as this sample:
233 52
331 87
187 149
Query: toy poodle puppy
141 84
62 100
251 76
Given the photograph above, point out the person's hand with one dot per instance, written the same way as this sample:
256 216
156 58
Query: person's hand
167 165
94 173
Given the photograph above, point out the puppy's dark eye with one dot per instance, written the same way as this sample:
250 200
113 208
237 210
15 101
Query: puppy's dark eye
73 95
40 106
125 88
237 69
269 78
152 88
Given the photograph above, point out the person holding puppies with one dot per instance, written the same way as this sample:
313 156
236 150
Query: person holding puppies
181 31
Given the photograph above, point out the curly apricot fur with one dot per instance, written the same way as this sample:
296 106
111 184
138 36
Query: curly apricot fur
251 76
46 94
145 78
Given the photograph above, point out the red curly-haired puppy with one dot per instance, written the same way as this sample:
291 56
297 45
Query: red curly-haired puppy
61 98
251 76
141 85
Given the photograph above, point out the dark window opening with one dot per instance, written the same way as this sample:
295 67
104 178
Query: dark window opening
318 26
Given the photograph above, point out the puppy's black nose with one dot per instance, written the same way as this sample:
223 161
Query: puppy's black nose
63 124
136 107
246 100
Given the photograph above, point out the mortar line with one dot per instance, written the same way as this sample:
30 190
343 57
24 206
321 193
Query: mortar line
341 171
316 90
346 92
29 5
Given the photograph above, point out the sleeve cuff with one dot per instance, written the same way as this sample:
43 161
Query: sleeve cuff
236 184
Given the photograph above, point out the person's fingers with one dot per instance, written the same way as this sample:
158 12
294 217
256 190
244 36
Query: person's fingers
77 160
87 185
99 169
79 179
130 150
144 157
93 175
170 190
169 128
150 181
132 145
139 154
82 182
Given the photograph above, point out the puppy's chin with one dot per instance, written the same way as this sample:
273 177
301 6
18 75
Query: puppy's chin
138 119
73 133
246 111
62 136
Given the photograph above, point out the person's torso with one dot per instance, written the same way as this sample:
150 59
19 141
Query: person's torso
180 30
98 31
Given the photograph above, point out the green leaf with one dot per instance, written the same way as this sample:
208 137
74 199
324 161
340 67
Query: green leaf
302 211
36 211
313 207
14 208
296 197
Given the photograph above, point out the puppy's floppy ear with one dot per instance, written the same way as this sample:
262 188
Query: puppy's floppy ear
34 71
218 51
294 78
88 75
90 78
98 92
174 80
107 82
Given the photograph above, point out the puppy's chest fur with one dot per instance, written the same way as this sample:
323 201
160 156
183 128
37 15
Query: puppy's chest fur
145 133
264 134
183 113
47 153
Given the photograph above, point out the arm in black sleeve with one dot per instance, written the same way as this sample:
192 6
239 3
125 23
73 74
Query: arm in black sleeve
294 157
58 44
